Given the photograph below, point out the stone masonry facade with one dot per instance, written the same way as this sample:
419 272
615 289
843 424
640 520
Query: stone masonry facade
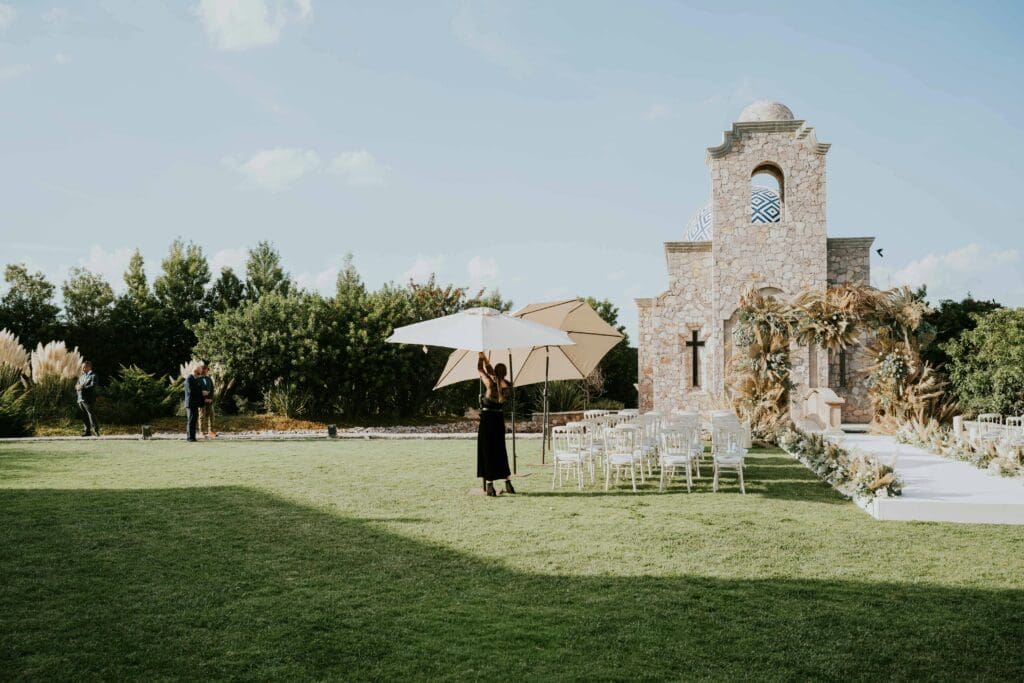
782 258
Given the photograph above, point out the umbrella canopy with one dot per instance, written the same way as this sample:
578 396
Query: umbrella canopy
592 338
479 329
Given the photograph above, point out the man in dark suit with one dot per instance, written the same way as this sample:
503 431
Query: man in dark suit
86 390
195 398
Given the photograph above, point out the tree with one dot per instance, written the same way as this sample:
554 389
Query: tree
181 286
227 291
88 304
951 319
986 363
88 298
619 366
27 307
180 294
277 344
263 272
135 279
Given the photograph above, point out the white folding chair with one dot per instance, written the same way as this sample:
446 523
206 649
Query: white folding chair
566 457
690 421
651 423
991 426
622 452
583 438
676 451
727 452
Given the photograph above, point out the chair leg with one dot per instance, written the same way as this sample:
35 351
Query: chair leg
632 474
743 489
554 473
714 484
579 474
661 478
607 476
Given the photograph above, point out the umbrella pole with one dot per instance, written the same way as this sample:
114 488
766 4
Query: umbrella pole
544 424
512 382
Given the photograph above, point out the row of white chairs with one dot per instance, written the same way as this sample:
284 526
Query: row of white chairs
627 443
994 427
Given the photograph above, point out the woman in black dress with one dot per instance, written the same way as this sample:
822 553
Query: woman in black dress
491 456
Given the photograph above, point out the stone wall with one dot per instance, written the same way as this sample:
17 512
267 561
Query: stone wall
666 322
849 260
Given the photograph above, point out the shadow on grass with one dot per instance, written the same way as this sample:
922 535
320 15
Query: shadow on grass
228 582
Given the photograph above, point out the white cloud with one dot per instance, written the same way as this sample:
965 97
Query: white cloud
110 264
423 267
657 112
242 24
7 16
275 169
11 71
483 272
984 273
62 58
491 45
360 169
325 281
229 258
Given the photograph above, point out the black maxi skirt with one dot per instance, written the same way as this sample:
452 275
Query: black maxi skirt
491 454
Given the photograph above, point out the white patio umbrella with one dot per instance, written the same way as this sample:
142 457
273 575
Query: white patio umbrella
482 329
593 338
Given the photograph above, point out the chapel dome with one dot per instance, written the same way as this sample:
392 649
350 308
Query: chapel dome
764 208
765 110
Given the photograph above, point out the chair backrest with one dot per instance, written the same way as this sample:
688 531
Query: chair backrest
590 414
1015 421
652 425
677 440
624 439
726 437
990 418
566 439
580 436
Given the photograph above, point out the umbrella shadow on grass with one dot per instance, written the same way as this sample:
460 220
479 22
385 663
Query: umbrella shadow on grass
234 583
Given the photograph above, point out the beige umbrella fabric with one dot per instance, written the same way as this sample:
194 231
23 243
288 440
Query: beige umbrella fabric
593 336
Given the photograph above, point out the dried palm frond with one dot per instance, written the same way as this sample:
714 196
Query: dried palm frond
830 318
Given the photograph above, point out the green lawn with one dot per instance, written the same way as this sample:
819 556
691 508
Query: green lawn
368 559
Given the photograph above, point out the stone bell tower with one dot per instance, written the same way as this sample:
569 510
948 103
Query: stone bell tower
775 244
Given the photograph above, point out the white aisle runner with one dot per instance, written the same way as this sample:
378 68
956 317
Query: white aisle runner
940 490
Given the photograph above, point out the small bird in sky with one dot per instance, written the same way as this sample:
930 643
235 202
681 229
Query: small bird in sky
879 252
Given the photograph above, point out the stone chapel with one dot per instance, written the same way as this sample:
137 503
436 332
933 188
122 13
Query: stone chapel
764 227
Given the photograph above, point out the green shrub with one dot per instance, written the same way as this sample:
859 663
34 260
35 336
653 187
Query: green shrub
987 364
52 397
287 400
15 414
135 396
562 396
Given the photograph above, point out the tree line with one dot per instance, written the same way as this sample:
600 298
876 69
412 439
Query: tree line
284 348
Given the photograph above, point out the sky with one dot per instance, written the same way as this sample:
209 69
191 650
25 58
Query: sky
544 149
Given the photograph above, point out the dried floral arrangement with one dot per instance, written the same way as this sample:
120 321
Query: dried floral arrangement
1002 457
852 474
901 385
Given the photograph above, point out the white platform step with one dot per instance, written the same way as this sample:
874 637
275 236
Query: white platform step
940 490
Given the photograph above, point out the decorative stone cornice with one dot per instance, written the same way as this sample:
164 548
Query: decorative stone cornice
850 242
800 130
686 247
646 302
